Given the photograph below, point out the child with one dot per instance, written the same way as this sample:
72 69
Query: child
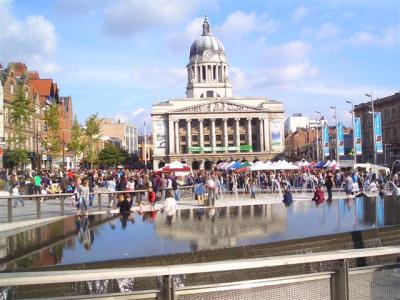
252 184
287 197
319 195
124 204
170 204
151 197
83 192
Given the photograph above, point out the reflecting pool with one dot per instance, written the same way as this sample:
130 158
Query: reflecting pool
96 238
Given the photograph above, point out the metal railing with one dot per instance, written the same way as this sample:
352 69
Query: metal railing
65 199
335 283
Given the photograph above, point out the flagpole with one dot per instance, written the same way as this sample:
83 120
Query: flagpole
145 147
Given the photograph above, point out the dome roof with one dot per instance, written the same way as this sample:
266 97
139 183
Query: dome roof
206 42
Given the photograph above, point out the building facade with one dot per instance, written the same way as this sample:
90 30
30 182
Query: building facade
211 124
307 143
127 133
297 121
40 93
389 107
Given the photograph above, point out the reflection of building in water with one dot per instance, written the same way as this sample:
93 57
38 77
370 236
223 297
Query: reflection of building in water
366 210
59 235
224 226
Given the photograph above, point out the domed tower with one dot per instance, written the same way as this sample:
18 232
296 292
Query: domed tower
207 68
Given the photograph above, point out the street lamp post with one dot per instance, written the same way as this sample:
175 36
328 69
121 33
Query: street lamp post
337 140
353 128
373 126
317 119
145 148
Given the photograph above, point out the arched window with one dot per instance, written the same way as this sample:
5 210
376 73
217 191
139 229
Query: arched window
203 69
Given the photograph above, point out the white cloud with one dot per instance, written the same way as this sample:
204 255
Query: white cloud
327 30
300 12
283 66
32 40
388 36
155 77
239 24
181 41
291 52
127 17
138 111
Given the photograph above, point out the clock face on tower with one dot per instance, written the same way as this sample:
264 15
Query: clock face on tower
207 54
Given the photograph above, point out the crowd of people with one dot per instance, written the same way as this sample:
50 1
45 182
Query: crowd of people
208 186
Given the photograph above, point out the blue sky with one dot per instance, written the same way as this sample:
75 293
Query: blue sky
111 56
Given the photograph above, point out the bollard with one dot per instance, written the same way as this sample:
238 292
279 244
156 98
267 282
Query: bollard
168 287
9 210
340 284
38 208
99 201
62 202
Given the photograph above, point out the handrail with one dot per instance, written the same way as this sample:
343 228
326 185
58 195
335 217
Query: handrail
50 277
33 196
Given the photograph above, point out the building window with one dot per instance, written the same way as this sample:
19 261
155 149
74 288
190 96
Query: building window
210 94
219 138
230 137
206 138
194 138
183 138
242 137
203 69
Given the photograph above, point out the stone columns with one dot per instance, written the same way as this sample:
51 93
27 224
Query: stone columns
213 136
225 133
249 132
188 135
177 142
266 135
237 132
201 132
261 134
171 138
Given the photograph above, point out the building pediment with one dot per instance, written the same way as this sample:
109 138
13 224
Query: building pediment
218 106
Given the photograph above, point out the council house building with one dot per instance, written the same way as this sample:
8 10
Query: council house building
210 124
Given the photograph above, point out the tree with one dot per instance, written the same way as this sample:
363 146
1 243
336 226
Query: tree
77 144
20 114
92 135
52 140
111 155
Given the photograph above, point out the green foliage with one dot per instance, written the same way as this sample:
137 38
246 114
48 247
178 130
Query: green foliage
52 140
111 155
14 157
20 113
92 135
77 143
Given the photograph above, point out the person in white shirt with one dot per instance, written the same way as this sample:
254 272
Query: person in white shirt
170 205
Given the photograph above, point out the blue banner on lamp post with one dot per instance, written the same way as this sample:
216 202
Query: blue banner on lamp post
378 132
340 134
325 139
357 132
